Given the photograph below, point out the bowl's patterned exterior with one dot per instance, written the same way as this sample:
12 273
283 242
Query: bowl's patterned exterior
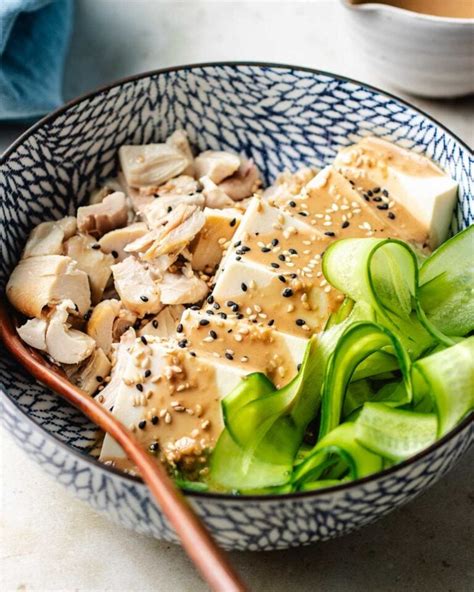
283 117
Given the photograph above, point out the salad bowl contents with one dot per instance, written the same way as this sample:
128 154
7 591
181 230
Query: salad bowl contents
266 334
317 300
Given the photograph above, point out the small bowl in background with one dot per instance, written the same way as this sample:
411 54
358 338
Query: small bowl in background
424 55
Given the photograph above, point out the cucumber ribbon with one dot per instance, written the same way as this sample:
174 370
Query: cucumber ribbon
393 365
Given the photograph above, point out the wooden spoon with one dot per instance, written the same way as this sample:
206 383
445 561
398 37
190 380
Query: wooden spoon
211 561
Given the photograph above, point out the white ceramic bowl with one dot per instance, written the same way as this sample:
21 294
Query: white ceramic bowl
424 55
282 117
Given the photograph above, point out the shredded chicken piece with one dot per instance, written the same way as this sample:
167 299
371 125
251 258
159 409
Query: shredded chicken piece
101 323
115 241
216 165
214 195
136 287
92 261
156 213
165 323
33 332
151 164
38 282
119 363
242 183
102 217
179 140
66 345
90 376
177 288
47 238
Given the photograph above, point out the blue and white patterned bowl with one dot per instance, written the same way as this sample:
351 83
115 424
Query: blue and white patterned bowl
283 117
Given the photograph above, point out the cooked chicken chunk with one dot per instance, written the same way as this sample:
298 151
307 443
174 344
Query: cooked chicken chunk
91 375
136 287
110 213
216 165
110 186
242 183
48 237
115 241
66 345
33 332
177 230
177 288
214 195
151 164
92 261
120 359
165 323
157 212
42 281
179 140
101 323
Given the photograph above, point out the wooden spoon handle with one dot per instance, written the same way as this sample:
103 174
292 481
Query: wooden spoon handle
196 540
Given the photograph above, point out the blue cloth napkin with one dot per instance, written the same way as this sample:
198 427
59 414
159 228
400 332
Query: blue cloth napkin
34 37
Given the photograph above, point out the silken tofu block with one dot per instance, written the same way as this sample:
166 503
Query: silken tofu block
209 245
332 205
170 398
294 304
403 177
247 342
275 239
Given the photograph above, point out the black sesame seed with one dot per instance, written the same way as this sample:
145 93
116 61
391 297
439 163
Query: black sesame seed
287 293
213 334
139 387
238 258
377 199
95 246
282 278
271 322
382 207
265 249
143 340
233 222
222 315
154 447
195 307
193 354
142 424
243 287
229 356
304 214
292 204
183 343
209 312
345 224
293 275
275 265
76 308
179 328
237 244
169 209
210 299
204 322
369 193
298 367
300 322
240 316
147 373
275 242
144 298
245 249
376 189
330 233
282 257
391 215
385 193
99 379
155 324
216 305
235 308
230 303
366 197
88 314
293 251
155 419
114 254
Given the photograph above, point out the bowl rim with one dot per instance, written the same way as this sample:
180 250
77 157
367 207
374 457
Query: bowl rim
205 495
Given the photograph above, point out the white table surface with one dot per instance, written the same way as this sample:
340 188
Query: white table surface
51 542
